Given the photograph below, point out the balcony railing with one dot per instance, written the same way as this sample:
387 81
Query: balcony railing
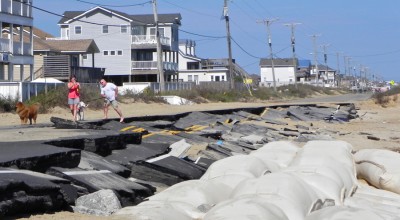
17 7
5 45
152 65
144 65
18 48
149 39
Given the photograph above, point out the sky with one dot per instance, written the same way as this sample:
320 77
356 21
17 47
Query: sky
358 36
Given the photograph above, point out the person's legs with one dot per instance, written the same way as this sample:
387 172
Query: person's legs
116 108
105 109
75 106
72 107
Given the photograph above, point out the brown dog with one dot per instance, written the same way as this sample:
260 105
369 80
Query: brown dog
27 112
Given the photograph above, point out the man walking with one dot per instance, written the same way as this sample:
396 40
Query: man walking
110 92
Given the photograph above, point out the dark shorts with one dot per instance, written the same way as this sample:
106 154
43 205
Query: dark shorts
74 101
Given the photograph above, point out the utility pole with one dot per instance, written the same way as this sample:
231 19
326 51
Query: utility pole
268 22
314 36
293 42
349 66
228 38
160 68
338 69
326 60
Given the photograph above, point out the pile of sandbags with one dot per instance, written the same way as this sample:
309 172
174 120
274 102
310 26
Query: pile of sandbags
282 181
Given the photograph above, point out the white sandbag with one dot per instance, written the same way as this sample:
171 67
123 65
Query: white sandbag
379 167
335 155
236 164
325 181
368 197
246 208
280 152
284 190
150 210
348 213
341 151
194 192
230 180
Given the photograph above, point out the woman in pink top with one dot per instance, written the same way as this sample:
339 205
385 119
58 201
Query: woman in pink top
73 95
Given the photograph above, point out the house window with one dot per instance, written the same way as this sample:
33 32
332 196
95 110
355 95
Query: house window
223 78
105 29
84 56
153 31
124 28
190 78
196 78
212 78
119 52
105 52
193 65
137 30
78 29
112 53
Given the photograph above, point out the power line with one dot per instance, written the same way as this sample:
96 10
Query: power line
190 10
83 21
379 54
114 6
237 44
201 35
102 24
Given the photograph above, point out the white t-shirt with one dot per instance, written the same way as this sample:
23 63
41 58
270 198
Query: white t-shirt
109 91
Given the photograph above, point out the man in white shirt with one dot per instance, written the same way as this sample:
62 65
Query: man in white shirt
110 92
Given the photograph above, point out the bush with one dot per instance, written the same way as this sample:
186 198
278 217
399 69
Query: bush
383 98
147 96
7 104
58 97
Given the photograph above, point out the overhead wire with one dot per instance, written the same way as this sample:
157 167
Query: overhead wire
191 10
237 44
83 21
115 6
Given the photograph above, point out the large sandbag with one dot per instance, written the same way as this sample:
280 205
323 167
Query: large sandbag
280 152
325 181
370 198
230 180
341 151
348 213
233 170
284 190
194 192
335 155
380 167
246 208
155 211
236 164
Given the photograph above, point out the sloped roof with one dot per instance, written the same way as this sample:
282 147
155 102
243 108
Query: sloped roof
64 46
74 46
277 62
41 45
143 19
